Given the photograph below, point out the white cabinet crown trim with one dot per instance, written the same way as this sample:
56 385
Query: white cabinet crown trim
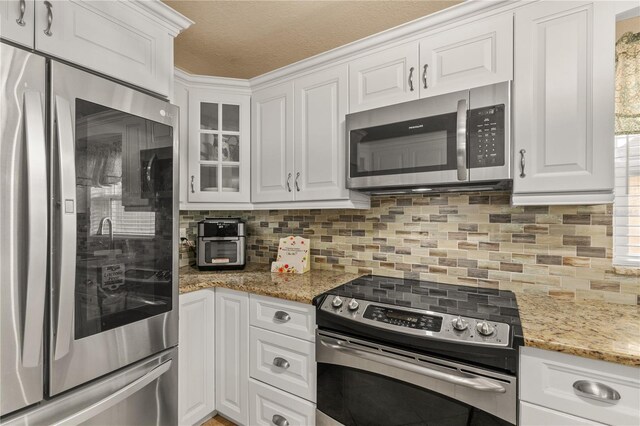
173 21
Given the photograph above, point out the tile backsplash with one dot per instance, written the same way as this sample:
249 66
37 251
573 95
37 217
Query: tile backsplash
469 239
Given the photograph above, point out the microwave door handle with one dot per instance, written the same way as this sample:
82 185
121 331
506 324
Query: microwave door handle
67 257
149 171
461 139
37 228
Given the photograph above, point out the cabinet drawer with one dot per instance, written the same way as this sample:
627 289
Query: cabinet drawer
284 362
547 379
290 318
267 405
533 415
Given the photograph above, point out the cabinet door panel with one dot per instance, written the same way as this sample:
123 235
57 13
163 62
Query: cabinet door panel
272 144
563 94
112 38
321 105
382 78
471 55
196 373
534 415
19 32
219 147
232 354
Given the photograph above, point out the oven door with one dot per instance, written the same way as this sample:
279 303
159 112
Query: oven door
219 251
363 383
415 143
104 230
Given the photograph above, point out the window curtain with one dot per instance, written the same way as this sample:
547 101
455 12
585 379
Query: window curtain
628 84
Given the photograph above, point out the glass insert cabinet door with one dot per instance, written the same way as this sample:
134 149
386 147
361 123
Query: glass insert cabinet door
218 149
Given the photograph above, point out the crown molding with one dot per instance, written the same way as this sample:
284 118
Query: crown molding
237 85
172 20
430 22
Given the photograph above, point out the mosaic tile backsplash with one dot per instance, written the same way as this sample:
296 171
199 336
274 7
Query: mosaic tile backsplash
475 239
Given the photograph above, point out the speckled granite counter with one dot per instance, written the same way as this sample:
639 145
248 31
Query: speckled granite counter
591 329
258 279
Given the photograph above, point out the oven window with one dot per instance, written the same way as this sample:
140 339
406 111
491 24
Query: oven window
124 187
356 398
220 252
414 146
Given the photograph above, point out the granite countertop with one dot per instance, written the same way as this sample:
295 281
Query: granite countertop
591 329
258 279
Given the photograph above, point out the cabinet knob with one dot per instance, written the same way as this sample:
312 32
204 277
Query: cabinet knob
597 391
289 182
522 152
278 420
281 363
193 188
411 79
23 8
424 76
282 316
296 182
47 30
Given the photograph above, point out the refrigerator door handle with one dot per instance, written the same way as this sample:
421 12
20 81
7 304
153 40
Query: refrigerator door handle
37 228
116 397
67 204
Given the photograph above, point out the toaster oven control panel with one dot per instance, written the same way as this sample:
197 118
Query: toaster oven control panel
486 137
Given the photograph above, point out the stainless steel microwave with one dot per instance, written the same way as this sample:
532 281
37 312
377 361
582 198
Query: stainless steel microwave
458 141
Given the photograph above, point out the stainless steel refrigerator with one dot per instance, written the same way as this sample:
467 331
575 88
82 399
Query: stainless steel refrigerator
88 248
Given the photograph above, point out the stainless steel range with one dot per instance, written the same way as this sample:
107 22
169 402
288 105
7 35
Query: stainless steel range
402 352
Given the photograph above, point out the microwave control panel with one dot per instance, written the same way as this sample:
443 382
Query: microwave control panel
486 137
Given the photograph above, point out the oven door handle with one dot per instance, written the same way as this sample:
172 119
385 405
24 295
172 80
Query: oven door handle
463 379
461 139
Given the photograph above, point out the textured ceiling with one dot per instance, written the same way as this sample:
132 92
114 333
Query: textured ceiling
244 39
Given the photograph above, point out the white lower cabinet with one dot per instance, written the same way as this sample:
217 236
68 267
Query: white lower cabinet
565 385
232 352
270 406
196 386
534 415
284 362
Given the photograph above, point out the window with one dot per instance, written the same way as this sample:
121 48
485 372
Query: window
626 207
107 202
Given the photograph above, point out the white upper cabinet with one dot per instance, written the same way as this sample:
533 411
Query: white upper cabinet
321 101
563 103
115 38
298 143
383 78
272 144
470 55
16 21
218 150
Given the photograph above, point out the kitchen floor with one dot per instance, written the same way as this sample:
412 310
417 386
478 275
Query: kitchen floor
218 421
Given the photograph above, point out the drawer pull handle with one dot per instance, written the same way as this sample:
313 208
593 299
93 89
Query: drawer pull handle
278 420
597 391
282 316
281 363
49 7
23 9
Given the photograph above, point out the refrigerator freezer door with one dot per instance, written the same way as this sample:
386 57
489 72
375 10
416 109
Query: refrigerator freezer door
143 394
23 227
104 231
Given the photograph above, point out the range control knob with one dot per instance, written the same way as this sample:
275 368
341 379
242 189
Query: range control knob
336 302
484 328
459 323
353 305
